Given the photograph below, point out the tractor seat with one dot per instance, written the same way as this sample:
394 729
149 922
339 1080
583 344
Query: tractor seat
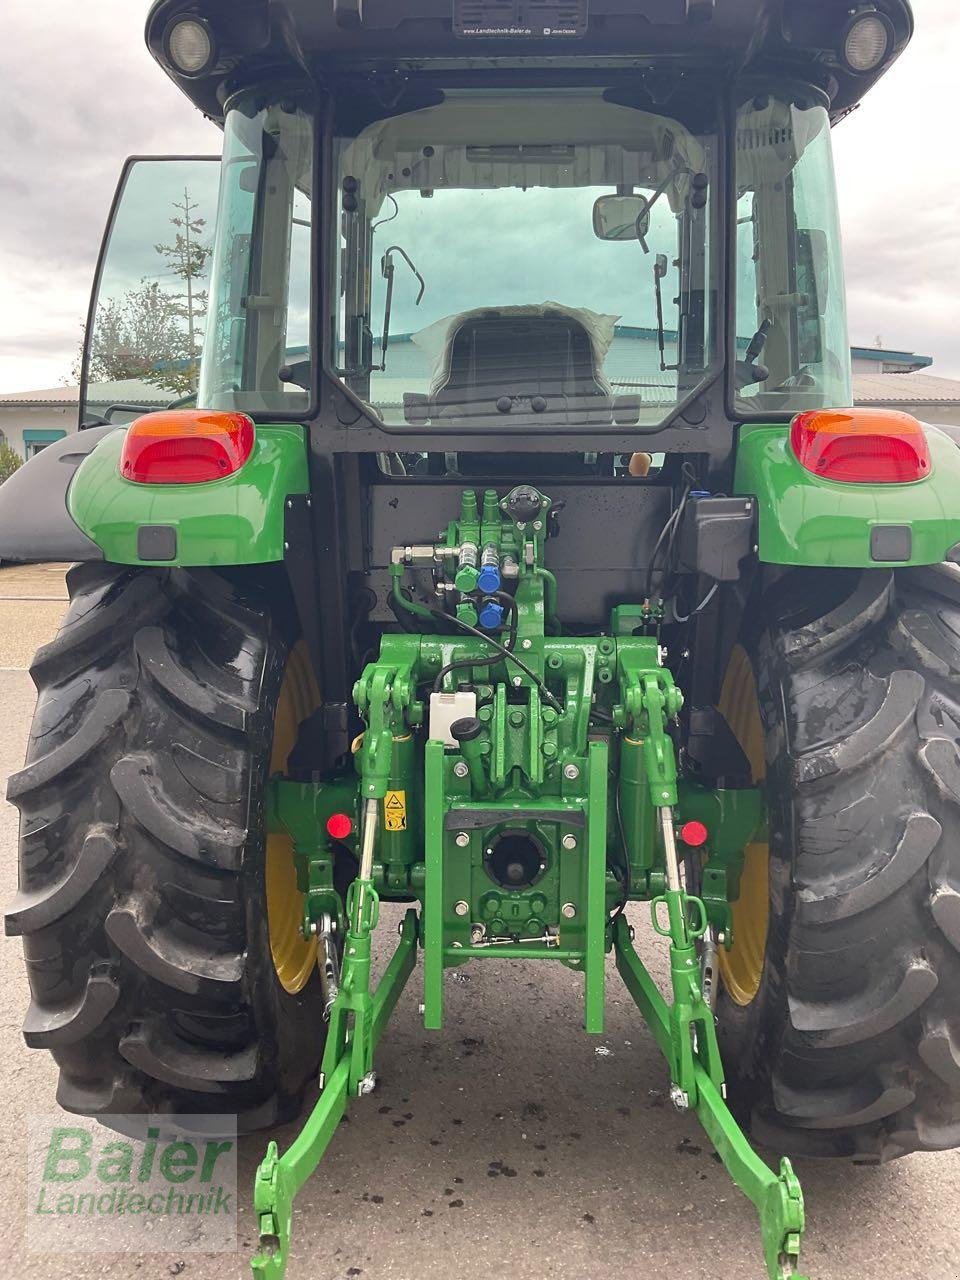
525 366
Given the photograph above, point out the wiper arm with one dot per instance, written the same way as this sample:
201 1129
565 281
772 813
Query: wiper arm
387 271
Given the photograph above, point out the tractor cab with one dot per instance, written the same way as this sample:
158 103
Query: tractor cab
461 226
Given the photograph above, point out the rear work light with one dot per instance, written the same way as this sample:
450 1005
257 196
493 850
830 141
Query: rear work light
186 446
861 446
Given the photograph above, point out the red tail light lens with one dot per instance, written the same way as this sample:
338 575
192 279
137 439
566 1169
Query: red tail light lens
861 446
186 446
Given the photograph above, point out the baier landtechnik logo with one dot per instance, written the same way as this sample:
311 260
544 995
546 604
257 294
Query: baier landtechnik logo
152 1184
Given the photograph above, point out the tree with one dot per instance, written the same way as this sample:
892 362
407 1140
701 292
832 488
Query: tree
187 258
141 336
10 461
151 334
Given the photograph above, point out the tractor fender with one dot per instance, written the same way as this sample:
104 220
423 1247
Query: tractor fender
35 524
70 502
239 519
807 520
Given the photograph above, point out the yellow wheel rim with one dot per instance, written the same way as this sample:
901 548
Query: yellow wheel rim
294 958
742 966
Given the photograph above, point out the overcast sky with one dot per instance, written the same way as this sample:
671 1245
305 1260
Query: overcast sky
80 93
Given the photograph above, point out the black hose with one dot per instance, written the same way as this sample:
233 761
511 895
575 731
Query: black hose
503 651
627 886
460 663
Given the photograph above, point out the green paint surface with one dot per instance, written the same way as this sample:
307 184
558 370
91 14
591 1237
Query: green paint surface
236 520
805 520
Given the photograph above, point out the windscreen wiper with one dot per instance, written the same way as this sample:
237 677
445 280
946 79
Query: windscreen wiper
387 271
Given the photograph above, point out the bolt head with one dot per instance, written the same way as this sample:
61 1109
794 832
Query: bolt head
461 908
538 524
517 681
569 841
526 644
462 840
568 911
571 772
461 769
367 1084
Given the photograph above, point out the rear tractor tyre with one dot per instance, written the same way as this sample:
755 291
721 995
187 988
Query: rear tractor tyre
158 982
839 1008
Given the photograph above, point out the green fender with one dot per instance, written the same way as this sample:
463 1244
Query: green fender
805 520
236 520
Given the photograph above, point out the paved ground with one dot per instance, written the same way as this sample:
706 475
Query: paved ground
509 1145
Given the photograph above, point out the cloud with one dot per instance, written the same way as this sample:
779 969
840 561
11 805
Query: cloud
81 92
898 162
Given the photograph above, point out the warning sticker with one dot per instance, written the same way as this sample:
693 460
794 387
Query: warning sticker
395 811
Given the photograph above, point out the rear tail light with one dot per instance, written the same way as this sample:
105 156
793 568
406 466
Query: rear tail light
861 446
186 446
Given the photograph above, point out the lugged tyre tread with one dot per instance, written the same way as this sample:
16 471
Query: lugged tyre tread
852 1046
193 967
107 711
188 691
137 780
32 911
45 1028
142 854
166 1057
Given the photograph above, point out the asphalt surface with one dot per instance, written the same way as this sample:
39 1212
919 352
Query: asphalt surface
510 1144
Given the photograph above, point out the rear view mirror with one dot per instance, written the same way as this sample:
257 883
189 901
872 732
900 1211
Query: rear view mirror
621 217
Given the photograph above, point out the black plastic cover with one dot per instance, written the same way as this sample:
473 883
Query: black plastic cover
35 525
717 756
890 543
157 542
716 534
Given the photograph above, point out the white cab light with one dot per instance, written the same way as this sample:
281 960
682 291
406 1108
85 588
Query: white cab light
866 43
190 46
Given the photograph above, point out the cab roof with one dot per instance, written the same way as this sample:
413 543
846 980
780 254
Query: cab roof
323 41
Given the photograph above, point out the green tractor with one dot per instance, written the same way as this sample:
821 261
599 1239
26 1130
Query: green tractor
423 557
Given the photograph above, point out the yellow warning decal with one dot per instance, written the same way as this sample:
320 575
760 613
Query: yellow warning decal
395 811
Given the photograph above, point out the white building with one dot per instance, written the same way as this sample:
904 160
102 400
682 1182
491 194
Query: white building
30 420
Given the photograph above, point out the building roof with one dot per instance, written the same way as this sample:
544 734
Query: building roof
54 397
905 389
130 391
907 359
